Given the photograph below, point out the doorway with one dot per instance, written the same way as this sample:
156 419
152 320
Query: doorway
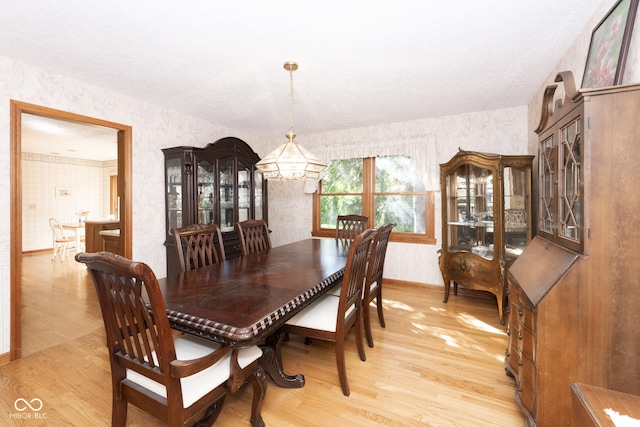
124 133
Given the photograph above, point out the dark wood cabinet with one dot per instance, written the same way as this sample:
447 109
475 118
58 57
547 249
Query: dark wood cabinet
216 184
486 219
573 293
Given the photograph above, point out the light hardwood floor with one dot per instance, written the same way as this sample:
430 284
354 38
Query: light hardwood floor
434 364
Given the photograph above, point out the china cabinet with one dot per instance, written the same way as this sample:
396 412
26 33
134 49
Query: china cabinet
573 293
486 219
216 184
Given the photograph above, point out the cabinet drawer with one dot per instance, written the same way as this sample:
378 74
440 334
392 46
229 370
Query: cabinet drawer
468 269
513 356
527 396
527 377
527 343
526 315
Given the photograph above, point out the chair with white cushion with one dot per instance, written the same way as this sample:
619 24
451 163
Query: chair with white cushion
329 318
373 284
180 379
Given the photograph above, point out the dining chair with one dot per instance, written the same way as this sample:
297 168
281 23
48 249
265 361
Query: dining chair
61 242
254 236
329 318
349 226
198 245
373 282
176 378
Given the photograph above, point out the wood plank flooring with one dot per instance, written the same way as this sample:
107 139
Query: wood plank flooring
434 364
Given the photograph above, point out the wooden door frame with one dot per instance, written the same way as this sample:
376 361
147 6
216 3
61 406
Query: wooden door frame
124 190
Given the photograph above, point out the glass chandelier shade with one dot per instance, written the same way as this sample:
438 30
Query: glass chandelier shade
290 161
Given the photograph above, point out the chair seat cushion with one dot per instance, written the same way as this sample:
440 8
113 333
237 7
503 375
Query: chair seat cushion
197 385
373 287
335 291
322 314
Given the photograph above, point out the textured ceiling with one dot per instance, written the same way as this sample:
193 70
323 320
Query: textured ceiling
361 63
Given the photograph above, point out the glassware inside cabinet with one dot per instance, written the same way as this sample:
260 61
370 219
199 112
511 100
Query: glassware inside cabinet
257 194
244 193
206 201
470 221
227 218
174 192
516 220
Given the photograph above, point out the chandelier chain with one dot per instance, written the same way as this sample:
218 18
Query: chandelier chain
291 101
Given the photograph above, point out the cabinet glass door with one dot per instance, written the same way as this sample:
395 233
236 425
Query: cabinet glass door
244 192
470 222
227 218
569 182
517 227
204 184
174 192
547 168
257 195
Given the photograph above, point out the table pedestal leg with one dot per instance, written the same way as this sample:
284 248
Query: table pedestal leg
271 362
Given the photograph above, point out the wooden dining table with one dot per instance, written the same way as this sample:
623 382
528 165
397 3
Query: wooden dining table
244 301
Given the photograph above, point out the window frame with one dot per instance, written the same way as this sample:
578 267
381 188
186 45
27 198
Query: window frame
368 209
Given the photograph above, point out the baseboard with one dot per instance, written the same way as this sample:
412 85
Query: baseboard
462 291
5 358
411 284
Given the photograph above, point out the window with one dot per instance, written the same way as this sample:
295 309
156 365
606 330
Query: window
386 189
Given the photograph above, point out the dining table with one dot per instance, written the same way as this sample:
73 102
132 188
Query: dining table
244 301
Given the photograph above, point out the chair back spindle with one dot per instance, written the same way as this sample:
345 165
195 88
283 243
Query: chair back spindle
254 236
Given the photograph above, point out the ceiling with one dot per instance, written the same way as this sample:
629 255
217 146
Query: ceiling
42 135
361 63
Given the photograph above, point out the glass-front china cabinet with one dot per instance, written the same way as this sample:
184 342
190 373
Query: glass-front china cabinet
486 220
216 184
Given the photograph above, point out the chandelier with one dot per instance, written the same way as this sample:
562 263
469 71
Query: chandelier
290 161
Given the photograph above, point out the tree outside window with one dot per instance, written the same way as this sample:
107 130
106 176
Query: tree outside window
386 189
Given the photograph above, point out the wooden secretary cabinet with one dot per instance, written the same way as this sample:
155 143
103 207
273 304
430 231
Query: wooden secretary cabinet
574 293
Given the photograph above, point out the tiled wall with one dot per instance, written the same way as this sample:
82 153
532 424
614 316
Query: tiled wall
44 178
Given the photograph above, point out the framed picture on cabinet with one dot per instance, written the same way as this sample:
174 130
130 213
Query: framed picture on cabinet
609 46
